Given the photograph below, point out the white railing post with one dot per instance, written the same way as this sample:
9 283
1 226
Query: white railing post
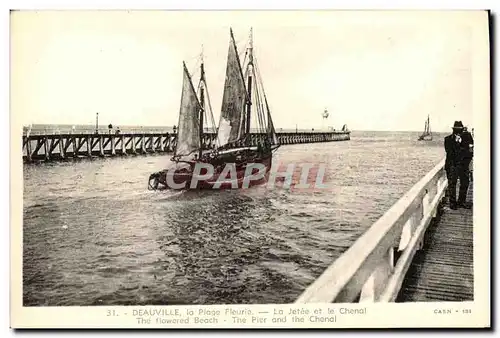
377 281
406 233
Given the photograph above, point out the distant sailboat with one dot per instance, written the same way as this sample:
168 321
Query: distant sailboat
427 134
233 144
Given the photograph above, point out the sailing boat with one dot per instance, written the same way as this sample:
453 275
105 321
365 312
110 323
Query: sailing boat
233 148
427 134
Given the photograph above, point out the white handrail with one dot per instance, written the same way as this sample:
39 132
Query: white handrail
366 270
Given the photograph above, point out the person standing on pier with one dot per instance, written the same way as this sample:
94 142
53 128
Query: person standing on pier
469 139
458 157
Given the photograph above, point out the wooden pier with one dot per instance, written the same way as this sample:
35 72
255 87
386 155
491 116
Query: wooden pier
419 250
444 269
59 147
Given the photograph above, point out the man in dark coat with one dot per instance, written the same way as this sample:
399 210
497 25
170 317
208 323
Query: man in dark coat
458 147
469 140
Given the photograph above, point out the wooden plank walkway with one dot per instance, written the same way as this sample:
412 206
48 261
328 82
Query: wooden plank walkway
443 270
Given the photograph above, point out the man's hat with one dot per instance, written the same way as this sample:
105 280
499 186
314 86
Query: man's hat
458 125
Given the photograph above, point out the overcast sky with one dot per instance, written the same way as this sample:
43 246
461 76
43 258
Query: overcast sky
372 70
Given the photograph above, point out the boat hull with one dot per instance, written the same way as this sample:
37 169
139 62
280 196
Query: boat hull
425 138
228 175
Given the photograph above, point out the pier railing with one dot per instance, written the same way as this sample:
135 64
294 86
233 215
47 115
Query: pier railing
369 271
140 131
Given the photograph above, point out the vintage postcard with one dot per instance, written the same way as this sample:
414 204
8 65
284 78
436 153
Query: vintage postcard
250 169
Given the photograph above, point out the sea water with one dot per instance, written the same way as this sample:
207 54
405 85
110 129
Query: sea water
94 235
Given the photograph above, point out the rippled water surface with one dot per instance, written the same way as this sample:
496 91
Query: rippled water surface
94 234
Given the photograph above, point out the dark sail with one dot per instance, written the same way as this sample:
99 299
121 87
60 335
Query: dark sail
188 136
271 132
234 100
427 134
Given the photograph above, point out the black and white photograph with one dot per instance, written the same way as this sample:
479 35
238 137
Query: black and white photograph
250 169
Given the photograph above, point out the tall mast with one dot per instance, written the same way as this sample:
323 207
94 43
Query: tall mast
202 101
249 86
